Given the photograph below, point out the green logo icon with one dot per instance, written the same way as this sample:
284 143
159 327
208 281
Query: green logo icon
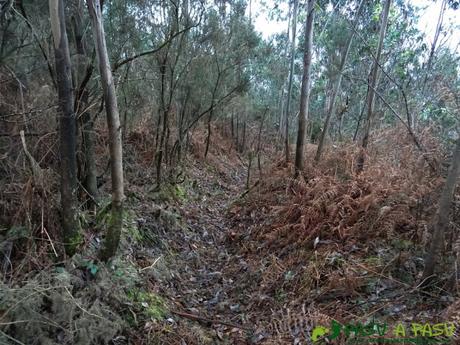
319 332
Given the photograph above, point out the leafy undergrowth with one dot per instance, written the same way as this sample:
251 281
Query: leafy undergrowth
204 262
163 258
82 301
342 246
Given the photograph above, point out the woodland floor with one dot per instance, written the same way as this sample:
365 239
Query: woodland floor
209 283
233 277
237 268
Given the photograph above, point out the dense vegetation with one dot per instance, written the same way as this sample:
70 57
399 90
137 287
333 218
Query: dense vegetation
170 175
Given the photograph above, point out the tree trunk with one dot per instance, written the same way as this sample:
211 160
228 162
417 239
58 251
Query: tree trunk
340 117
441 221
166 143
361 114
259 143
90 172
67 129
281 113
373 85
291 74
305 91
163 115
336 89
84 71
114 127
237 137
180 140
208 137
283 87
232 128
243 142
435 42
248 176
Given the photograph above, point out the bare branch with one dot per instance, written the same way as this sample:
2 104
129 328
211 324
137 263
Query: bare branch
153 51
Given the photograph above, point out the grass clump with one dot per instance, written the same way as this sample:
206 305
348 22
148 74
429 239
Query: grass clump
148 304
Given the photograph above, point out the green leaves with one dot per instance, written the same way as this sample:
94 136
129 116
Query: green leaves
81 262
92 268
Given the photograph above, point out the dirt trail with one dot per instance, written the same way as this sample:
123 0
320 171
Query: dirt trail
208 280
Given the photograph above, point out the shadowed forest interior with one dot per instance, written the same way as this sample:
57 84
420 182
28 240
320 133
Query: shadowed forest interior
229 172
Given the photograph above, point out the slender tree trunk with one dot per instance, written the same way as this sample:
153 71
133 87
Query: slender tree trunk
340 126
115 141
441 221
67 128
84 71
161 122
259 143
305 91
373 85
435 42
237 136
291 75
167 137
208 137
243 142
232 128
211 112
124 123
90 172
157 133
281 113
336 90
283 88
248 176
180 139
361 114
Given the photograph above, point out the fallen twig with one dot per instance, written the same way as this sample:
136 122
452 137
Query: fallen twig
152 265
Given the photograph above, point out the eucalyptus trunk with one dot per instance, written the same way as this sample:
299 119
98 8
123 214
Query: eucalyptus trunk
435 42
283 87
336 90
305 90
67 129
291 74
373 85
441 221
83 73
113 122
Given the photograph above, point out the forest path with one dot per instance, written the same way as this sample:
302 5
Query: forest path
209 280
